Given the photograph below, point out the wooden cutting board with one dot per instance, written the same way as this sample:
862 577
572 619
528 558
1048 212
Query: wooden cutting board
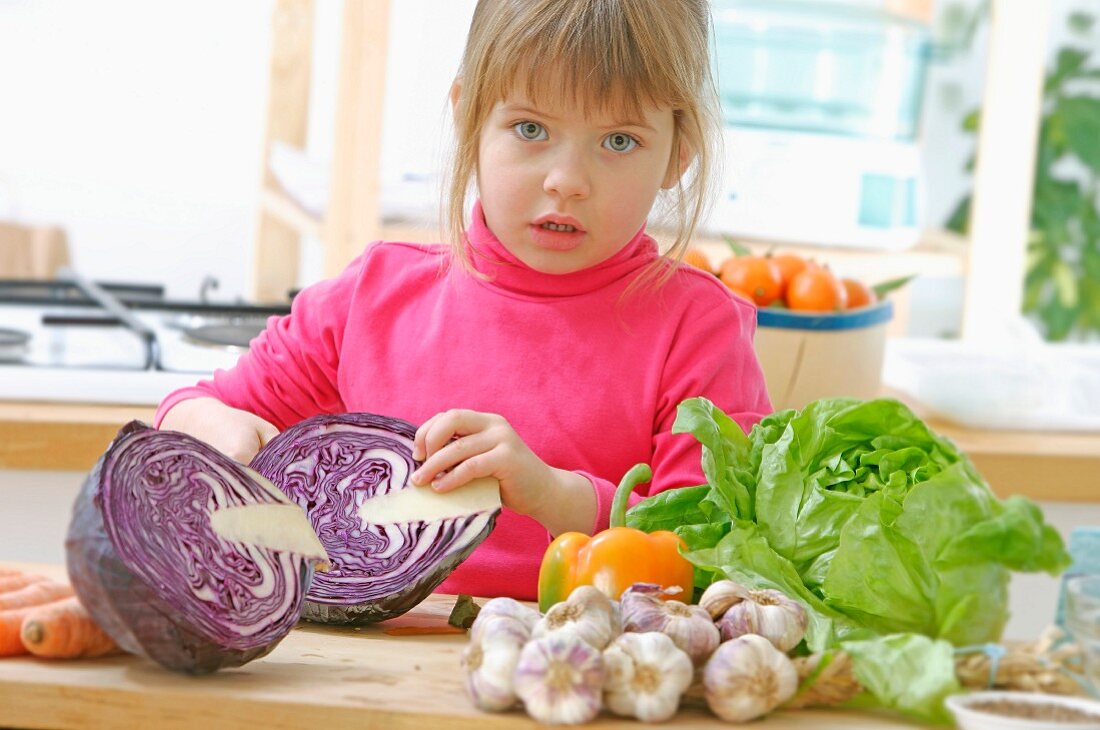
318 677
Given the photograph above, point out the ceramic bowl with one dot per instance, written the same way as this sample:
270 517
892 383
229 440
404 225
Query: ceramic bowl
970 716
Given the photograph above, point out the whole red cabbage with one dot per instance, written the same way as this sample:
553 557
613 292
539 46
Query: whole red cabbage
144 560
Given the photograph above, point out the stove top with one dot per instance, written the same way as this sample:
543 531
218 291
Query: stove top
58 343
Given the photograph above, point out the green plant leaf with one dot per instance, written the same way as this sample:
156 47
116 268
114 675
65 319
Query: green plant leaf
1068 63
959 220
1081 116
885 287
972 121
1081 22
738 248
1065 283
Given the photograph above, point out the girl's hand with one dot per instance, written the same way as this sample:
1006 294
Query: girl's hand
457 446
237 434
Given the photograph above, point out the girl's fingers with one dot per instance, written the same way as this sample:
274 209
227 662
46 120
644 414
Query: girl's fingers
450 457
419 450
478 465
441 428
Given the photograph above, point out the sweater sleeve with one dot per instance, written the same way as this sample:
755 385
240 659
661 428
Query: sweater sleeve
712 356
290 370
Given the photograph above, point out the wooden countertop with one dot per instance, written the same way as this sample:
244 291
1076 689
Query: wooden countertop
1041 465
61 436
317 677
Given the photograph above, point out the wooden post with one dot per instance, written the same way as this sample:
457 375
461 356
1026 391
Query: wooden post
353 218
276 251
1000 218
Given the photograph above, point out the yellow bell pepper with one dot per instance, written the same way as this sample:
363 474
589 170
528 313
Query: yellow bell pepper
616 558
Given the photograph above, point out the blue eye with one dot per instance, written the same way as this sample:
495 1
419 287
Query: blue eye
530 131
619 142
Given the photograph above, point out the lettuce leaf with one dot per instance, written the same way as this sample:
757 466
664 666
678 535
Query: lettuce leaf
909 673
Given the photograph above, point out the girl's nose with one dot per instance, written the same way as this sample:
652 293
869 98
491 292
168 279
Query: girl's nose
568 176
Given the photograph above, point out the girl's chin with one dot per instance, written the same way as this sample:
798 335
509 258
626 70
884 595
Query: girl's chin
551 262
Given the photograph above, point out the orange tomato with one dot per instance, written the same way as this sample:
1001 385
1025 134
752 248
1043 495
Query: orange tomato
695 257
816 289
789 266
859 294
756 277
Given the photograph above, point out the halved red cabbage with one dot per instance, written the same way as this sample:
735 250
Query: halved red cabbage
342 469
185 556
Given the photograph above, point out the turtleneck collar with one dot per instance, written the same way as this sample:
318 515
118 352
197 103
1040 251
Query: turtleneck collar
508 273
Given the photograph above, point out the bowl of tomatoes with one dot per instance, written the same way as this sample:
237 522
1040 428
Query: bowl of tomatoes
818 335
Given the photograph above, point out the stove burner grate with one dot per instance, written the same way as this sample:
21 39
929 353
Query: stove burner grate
236 335
13 344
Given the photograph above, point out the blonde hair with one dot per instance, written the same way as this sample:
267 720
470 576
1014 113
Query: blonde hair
605 53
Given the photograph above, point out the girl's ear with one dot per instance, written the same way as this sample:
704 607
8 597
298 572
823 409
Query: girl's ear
456 92
681 159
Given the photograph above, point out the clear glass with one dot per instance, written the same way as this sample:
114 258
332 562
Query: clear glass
820 67
1083 620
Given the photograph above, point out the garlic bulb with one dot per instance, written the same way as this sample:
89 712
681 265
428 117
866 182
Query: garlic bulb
587 613
504 607
490 661
769 613
748 677
690 627
647 675
560 679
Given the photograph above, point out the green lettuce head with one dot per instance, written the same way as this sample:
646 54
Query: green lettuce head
879 525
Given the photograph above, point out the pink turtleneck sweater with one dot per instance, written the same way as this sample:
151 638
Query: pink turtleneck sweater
588 379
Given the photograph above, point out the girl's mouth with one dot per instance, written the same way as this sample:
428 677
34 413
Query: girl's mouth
556 236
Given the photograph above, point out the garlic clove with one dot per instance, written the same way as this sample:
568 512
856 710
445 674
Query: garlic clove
690 627
490 665
748 677
499 624
646 675
560 679
721 595
505 606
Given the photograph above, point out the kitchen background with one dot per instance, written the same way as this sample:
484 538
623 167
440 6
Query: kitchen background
138 128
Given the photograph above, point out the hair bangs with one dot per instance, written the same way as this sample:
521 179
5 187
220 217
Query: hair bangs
588 55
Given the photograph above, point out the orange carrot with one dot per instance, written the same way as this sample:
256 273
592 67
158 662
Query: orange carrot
64 630
16 581
423 630
35 594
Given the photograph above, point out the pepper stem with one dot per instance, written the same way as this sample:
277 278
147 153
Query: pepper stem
638 474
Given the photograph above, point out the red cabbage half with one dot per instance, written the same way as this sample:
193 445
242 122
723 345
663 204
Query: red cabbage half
185 556
390 543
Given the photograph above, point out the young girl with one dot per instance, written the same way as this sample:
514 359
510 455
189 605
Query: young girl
550 345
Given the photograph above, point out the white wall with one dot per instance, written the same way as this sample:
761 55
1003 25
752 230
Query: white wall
137 127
